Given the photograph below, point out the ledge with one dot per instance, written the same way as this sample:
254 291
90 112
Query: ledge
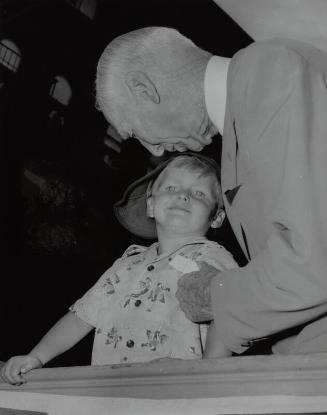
177 379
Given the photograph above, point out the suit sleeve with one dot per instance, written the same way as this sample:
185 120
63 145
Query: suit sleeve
282 127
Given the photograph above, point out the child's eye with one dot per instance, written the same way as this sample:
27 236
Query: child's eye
171 188
199 194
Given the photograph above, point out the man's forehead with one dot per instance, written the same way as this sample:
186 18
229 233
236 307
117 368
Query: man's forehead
116 117
113 132
122 128
123 133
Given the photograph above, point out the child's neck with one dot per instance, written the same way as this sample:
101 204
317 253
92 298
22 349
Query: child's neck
168 243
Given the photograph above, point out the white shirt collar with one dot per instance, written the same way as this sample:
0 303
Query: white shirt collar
215 86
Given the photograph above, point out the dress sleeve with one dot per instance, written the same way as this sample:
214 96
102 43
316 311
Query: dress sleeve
96 298
282 130
215 255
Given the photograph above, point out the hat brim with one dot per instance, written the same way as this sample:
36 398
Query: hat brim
131 209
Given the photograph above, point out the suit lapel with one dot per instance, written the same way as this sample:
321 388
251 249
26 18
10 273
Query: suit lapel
232 182
231 193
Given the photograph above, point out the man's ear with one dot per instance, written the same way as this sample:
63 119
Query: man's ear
149 207
218 219
141 86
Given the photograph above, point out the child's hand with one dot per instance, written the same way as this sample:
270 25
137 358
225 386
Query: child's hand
14 369
215 351
214 347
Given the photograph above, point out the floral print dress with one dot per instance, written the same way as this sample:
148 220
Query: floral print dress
134 310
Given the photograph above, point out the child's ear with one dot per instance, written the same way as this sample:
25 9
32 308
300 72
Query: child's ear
218 219
149 207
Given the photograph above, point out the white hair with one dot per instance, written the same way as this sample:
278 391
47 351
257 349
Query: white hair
159 51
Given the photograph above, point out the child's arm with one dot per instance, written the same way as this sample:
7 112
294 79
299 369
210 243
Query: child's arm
194 296
214 346
68 331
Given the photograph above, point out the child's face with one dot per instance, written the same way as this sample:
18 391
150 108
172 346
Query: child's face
183 201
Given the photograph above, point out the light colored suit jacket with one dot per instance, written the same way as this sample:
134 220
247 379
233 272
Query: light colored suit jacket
274 179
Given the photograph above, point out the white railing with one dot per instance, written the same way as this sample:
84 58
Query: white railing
264 384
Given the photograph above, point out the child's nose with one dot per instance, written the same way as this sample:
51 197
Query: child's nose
184 195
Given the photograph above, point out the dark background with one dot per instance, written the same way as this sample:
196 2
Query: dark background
60 237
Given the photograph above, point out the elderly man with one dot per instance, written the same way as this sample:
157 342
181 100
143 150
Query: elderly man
269 102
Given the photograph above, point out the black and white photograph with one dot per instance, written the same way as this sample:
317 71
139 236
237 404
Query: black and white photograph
164 194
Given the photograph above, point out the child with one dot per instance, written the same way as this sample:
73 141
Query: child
133 307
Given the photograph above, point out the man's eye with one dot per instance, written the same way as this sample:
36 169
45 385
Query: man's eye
134 135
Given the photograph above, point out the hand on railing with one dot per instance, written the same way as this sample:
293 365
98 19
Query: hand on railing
14 369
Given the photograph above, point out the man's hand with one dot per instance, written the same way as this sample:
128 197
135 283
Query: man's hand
193 293
14 369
